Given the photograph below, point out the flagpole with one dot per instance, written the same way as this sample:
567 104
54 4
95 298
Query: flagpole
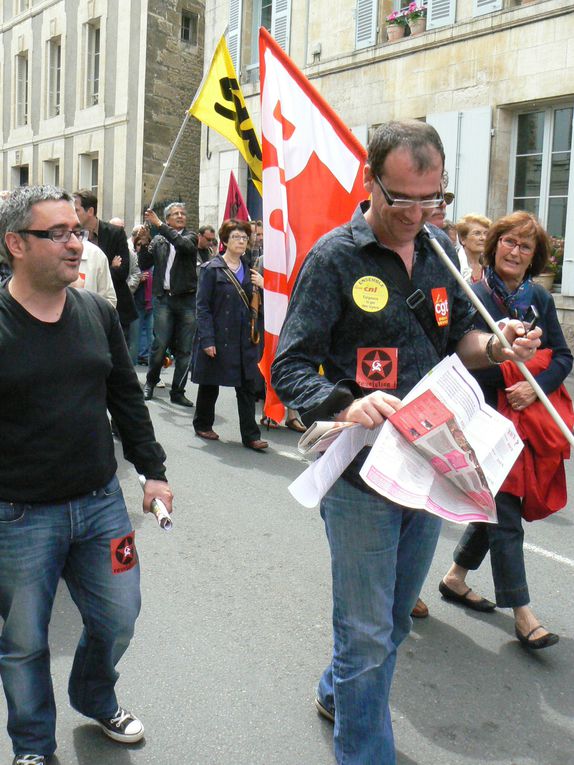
504 342
179 135
168 162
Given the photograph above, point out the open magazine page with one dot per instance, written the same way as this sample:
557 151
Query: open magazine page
424 488
311 486
465 448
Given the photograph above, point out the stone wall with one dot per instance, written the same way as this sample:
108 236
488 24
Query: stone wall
173 73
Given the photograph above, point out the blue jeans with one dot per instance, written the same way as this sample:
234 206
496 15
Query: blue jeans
141 330
38 545
173 328
505 541
380 556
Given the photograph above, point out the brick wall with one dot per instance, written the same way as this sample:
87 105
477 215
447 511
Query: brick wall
173 73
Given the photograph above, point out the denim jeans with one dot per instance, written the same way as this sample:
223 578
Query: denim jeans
173 328
380 556
38 545
141 330
505 541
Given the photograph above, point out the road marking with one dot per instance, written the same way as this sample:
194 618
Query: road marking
548 554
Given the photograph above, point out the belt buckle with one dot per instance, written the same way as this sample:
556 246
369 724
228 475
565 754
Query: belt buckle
414 300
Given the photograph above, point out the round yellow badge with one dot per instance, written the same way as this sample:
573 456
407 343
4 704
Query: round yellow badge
370 294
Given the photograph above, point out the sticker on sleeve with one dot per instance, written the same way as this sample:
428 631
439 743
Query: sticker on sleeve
440 302
124 553
370 294
377 368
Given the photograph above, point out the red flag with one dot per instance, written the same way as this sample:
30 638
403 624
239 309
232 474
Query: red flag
235 207
312 182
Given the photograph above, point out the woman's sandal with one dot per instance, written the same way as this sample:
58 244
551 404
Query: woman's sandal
269 423
295 424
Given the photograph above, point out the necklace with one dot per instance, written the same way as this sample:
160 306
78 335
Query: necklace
236 268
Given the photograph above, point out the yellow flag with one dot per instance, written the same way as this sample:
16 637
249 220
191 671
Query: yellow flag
219 103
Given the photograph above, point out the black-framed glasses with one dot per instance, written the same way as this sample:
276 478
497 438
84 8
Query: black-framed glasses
59 235
436 201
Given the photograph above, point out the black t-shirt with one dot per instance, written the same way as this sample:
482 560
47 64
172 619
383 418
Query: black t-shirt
57 381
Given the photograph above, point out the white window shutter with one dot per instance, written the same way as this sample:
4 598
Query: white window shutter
281 23
466 140
365 23
440 13
234 33
479 7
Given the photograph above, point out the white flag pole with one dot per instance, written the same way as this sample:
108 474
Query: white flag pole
181 131
494 327
168 162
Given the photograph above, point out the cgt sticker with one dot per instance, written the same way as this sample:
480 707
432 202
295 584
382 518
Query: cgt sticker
370 294
440 303
377 368
124 553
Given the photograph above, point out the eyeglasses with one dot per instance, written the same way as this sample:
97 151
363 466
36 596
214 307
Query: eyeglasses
61 236
436 201
239 237
511 244
448 197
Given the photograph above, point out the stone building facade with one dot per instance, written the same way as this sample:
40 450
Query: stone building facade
494 76
93 95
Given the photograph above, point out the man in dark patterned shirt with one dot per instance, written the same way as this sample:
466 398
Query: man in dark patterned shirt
350 314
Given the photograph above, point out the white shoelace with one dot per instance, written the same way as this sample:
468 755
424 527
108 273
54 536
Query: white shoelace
120 716
30 759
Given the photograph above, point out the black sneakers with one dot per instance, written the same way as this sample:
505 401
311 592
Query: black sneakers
29 759
123 727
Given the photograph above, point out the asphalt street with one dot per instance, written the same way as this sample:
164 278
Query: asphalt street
235 630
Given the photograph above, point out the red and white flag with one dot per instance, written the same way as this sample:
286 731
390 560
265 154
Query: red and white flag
312 182
235 206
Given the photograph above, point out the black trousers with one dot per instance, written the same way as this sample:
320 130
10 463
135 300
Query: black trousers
205 409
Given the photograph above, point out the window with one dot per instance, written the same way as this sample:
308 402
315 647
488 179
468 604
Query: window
52 172
274 15
20 175
21 112
22 5
542 165
189 26
88 172
54 70
93 64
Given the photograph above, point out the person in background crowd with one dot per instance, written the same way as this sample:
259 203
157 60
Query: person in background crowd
142 329
95 273
380 551
62 510
516 249
224 349
450 229
206 244
173 255
112 240
472 230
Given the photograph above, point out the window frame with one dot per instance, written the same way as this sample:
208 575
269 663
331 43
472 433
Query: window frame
54 78
22 90
546 165
93 63
191 16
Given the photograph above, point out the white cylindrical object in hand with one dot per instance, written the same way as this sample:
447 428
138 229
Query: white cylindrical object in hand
158 508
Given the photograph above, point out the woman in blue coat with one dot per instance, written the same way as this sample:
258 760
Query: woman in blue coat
224 353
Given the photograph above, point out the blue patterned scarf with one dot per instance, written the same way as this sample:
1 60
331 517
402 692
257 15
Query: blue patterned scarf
516 302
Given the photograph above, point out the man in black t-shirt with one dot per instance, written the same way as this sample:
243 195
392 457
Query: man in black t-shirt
61 506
